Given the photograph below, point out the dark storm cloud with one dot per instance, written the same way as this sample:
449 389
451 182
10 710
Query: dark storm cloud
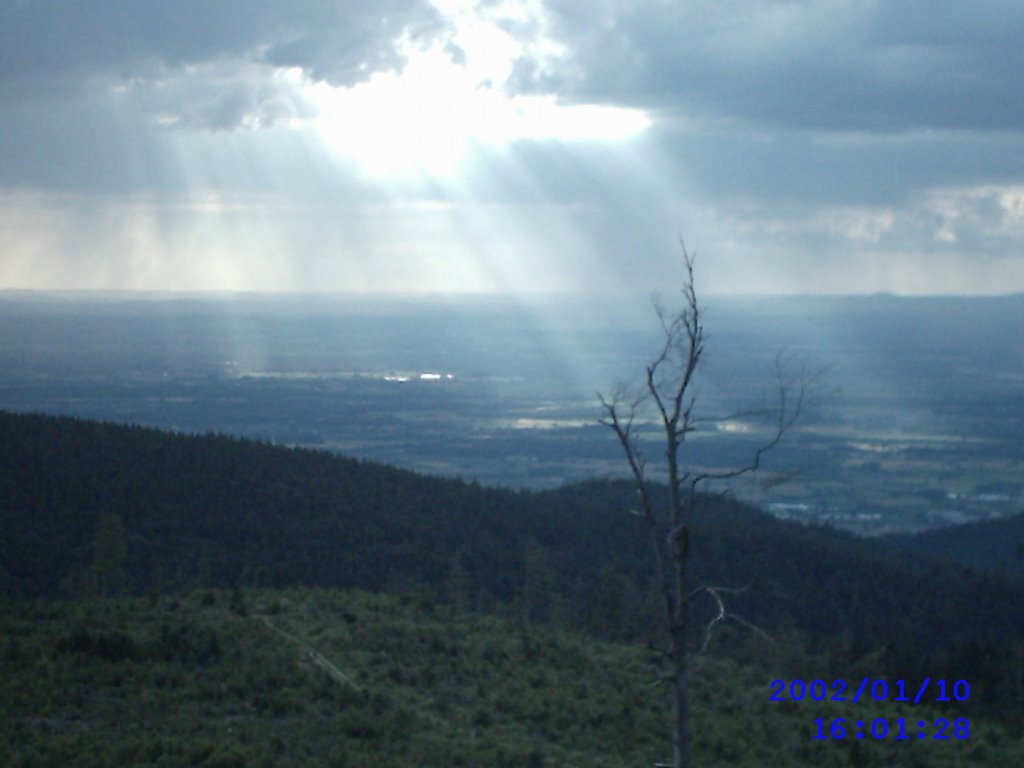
220 96
822 168
825 64
80 143
46 43
89 88
820 101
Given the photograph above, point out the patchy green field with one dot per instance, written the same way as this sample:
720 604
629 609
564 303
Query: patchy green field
317 678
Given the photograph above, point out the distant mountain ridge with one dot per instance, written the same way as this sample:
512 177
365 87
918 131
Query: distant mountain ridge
988 545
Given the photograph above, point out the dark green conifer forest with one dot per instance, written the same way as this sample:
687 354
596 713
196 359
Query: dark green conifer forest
209 601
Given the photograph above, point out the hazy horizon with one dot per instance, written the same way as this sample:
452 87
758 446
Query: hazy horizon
922 392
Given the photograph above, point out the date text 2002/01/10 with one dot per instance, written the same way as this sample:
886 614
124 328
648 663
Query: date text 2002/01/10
876 690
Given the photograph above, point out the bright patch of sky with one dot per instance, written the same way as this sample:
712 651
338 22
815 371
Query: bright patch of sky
451 97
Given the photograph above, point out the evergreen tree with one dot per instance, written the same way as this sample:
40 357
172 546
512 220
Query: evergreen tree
109 553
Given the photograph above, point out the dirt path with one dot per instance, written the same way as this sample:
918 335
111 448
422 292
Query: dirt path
316 657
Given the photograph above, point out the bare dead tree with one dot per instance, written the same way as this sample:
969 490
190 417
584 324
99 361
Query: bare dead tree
668 392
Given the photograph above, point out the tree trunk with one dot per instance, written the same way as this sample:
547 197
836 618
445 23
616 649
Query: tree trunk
681 737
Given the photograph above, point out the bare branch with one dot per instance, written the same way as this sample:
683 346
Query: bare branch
751 626
719 617
780 478
623 430
728 590
792 403
723 614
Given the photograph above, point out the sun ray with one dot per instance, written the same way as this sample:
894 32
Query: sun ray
450 101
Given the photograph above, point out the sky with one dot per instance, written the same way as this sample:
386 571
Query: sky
519 147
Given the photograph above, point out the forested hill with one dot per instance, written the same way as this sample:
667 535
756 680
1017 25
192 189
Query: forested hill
87 506
992 545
